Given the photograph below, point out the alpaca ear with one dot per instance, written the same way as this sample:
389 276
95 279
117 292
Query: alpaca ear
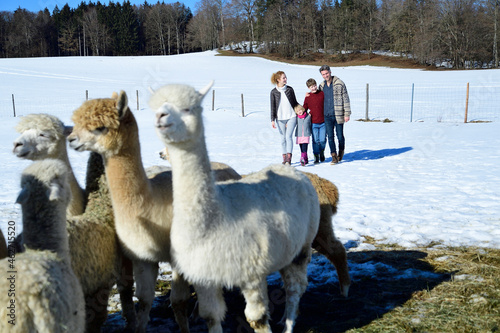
205 90
67 130
151 90
22 197
122 104
114 95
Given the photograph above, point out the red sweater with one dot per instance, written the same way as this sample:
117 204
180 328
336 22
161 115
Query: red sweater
314 103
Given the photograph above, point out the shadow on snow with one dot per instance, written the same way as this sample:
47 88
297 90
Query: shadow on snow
381 281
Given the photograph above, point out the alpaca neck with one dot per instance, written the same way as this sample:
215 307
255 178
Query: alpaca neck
126 176
192 178
44 227
77 203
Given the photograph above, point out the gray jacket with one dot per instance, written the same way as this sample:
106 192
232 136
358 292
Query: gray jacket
341 102
304 127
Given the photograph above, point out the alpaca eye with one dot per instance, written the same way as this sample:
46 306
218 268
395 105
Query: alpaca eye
101 130
186 110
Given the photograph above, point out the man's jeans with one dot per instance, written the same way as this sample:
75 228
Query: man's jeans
331 125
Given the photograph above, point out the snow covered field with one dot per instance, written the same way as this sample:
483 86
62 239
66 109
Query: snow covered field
405 183
414 184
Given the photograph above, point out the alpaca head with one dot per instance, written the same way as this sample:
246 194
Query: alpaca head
178 112
43 182
42 136
102 125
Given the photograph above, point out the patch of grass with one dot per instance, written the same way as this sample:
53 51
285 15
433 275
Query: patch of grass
386 120
337 60
468 302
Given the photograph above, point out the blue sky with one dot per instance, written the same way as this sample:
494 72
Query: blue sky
37 5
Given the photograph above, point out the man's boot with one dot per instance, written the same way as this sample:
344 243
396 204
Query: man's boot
322 156
284 159
341 155
334 159
288 159
316 158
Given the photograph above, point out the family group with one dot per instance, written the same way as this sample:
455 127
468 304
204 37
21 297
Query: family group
325 110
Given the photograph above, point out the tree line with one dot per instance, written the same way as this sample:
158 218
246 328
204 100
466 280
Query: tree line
461 32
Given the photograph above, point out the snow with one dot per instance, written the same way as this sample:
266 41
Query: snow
407 183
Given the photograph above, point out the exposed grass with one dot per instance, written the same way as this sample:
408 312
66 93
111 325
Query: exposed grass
354 59
468 302
386 120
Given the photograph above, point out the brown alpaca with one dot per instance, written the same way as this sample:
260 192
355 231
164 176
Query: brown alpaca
325 242
142 206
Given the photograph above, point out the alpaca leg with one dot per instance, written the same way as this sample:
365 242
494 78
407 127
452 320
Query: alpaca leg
96 309
125 284
327 244
256 308
211 306
295 282
145 274
179 299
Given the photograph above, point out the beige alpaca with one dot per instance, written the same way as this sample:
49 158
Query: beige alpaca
142 206
3 246
41 286
233 233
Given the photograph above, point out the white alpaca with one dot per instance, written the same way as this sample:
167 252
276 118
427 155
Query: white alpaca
237 232
41 292
142 206
44 136
95 253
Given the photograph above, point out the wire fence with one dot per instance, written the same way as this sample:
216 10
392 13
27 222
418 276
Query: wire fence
413 102
402 103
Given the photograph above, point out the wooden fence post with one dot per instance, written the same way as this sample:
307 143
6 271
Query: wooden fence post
242 106
14 105
412 95
213 99
86 95
137 94
466 103
367 100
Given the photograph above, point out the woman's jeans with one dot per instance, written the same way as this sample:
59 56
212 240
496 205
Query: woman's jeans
319 138
331 125
287 129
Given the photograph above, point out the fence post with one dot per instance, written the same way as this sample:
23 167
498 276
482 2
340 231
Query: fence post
242 106
137 94
86 95
213 99
367 100
412 94
14 105
466 103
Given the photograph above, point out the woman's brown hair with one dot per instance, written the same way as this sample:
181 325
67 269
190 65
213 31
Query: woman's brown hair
276 76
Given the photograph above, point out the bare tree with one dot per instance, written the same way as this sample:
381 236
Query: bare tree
247 8
95 31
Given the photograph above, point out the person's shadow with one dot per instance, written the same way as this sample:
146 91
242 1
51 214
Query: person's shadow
374 154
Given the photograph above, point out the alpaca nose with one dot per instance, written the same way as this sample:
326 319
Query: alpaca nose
160 115
17 144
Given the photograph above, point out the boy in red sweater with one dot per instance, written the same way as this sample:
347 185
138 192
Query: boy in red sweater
314 103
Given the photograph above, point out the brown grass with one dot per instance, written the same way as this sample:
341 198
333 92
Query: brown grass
354 59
